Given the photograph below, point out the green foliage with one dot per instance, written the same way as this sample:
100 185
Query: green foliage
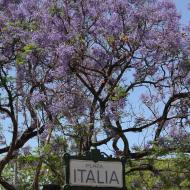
51 156
20 58
110 39
30 26
51 171
27 49
4 80
172 173
185 183
119 92
53 10
169 174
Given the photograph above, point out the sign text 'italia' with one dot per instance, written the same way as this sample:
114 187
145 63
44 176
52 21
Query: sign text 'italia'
95 174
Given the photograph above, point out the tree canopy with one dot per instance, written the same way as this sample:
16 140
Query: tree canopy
72 70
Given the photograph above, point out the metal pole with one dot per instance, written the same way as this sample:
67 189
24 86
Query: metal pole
94 139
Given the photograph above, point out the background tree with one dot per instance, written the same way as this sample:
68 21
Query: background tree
113 68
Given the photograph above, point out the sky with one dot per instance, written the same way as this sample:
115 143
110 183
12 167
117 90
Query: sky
182 7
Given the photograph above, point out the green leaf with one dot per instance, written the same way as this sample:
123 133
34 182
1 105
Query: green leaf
119 92
20 58
29 48
185 183
53 10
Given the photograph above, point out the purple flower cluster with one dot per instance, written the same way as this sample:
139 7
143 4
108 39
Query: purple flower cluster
71 54
37 98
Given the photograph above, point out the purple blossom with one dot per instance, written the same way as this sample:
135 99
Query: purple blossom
55 147
54 36
65 51
37 98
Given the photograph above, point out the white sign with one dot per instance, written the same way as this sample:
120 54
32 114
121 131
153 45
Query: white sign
96 174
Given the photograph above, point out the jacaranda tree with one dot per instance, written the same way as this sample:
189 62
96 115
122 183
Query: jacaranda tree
108 68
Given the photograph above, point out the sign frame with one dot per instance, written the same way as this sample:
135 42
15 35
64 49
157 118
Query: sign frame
93 155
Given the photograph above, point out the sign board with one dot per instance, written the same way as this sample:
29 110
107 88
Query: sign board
96 174
94 171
